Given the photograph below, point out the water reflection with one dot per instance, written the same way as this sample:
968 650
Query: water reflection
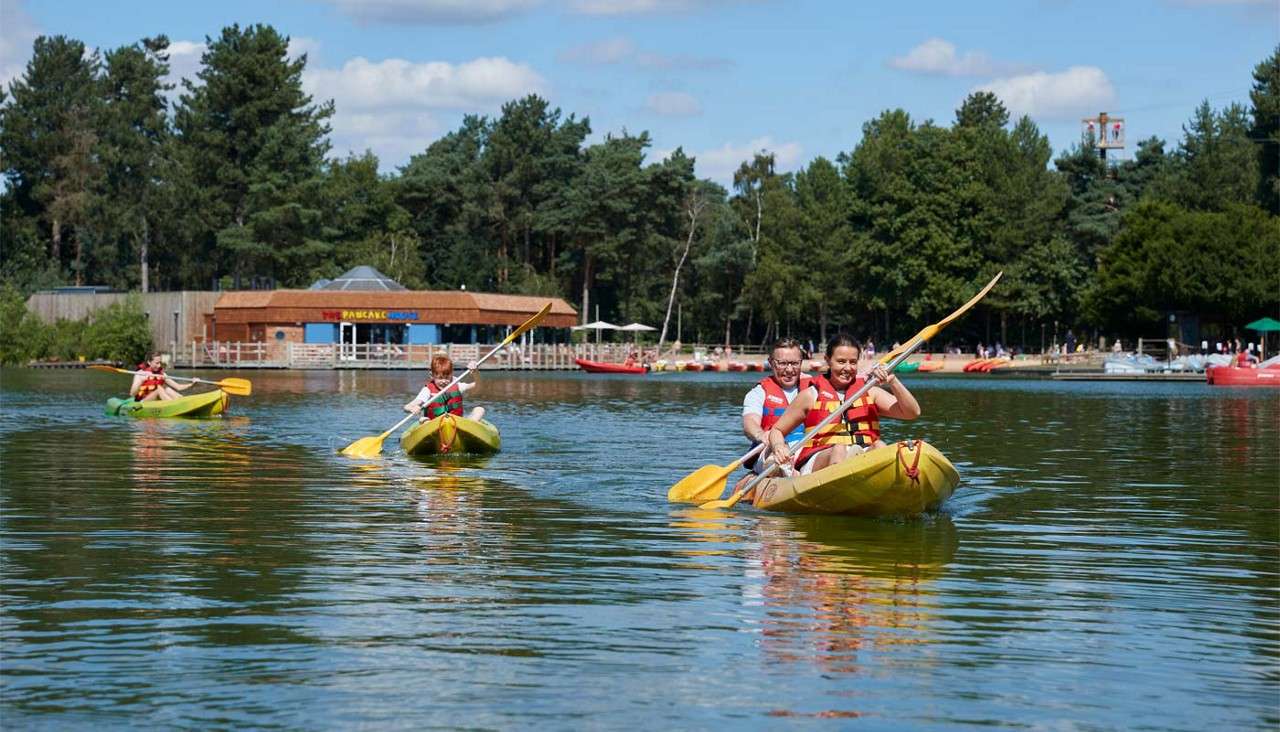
831 589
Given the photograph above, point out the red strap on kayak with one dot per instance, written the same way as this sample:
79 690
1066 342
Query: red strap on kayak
912 470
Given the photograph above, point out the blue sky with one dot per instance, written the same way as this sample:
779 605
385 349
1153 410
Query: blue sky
720 78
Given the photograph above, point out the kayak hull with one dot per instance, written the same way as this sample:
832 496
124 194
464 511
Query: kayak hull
1236 376
207 404
601 367
878 483
451 435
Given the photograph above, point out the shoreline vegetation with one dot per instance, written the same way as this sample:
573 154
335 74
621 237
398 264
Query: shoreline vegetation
110 183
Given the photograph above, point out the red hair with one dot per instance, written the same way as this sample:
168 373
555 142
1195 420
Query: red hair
441 365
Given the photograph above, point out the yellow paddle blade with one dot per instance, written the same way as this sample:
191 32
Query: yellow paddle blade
365 447
729 502
239 387
702 484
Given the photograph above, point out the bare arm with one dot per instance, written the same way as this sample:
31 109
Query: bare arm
752 429
137 384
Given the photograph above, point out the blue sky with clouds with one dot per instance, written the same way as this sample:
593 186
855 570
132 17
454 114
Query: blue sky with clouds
720 78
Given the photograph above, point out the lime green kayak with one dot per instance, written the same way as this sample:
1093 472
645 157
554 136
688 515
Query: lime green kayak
208 404
903 479
449 434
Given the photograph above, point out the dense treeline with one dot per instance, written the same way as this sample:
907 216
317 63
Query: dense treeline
231 185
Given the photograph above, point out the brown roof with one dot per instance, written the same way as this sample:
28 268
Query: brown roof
443 306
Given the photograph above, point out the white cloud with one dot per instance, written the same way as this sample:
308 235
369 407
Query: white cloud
938 56
398 84
600 53
391 106
673 104
720 163
620 50
17 32
432 12
1063 95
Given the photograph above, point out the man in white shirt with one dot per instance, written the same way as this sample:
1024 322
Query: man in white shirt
767 400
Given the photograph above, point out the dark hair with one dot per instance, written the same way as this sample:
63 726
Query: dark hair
784 343
842 339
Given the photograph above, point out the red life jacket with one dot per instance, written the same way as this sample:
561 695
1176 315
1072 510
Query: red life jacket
1242 359
775 404
860 424
152 382
450 404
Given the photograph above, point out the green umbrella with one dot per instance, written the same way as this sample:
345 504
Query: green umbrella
1264 326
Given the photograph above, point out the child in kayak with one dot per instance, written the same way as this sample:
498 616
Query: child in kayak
858 429
153 384
451 401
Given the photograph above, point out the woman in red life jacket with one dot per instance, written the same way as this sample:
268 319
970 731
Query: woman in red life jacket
153 384
451 401
858 429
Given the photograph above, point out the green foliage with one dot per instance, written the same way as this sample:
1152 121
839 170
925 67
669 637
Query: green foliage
1265 130
104 186
119 332
1168 258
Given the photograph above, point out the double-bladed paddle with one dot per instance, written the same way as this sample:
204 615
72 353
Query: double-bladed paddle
238 387
371 447
898 355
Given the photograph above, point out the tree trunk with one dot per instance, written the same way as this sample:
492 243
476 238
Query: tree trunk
55 243
586 288
671 297
146 237
822 321
1004 328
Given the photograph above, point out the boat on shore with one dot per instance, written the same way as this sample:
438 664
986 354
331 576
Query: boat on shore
905 479
604 367
451 435
206 404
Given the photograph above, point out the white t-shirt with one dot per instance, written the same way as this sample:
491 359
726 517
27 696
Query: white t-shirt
426 394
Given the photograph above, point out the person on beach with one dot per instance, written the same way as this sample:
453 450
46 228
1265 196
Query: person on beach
451 401
858 429
153 384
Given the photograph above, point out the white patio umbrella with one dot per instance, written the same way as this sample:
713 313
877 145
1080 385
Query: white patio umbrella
637 328
597 326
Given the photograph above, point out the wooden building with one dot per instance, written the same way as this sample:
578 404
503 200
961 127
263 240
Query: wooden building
365 307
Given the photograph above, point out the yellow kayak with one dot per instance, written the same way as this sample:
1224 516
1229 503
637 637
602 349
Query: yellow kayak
449 434
905 479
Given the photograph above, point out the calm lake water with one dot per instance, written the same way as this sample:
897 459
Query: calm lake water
1111 560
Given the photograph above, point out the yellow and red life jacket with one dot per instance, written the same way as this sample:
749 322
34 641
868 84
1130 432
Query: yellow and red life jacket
451 403
775 405
152 382
860 424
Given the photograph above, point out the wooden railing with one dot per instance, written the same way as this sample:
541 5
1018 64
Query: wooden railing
540 356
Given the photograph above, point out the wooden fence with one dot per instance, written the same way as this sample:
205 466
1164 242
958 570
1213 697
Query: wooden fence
236 354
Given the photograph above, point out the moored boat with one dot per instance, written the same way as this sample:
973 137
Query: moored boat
907 367
737 366
904 479
450 434
603 367
927 366
206 404
690 366
1236 376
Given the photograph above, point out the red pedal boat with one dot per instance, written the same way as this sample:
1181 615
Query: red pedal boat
601 367
1236 376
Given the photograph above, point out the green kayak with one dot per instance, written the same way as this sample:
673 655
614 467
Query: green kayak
449 434
208 404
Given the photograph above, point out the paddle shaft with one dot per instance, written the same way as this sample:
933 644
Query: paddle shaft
192 379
